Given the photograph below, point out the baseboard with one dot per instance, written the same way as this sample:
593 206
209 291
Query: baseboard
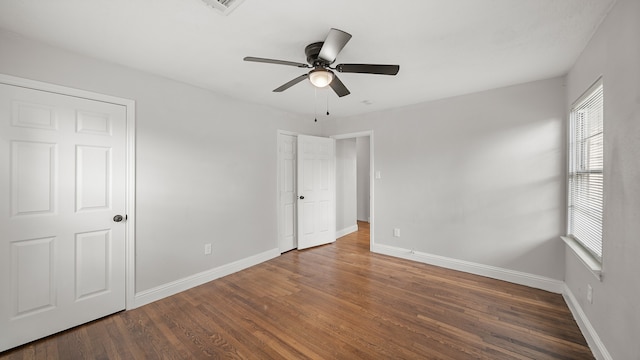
590 335
346 231
516 277
174 287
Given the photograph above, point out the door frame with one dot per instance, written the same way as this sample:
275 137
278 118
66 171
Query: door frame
353 135
130 180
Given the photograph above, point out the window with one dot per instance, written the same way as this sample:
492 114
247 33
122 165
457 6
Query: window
586 170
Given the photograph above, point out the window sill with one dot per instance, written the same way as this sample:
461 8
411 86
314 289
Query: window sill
587 259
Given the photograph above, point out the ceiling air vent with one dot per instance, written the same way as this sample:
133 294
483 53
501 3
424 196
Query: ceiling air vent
223 6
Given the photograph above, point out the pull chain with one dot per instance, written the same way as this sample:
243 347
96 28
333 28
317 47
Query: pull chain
327 103
315 104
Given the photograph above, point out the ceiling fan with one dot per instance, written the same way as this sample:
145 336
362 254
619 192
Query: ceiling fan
320 56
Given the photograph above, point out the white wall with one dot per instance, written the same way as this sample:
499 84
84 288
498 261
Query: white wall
346 193
206 164
478 178
363 163
614 54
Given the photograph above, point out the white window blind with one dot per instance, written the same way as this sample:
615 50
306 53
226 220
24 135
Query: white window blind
586 170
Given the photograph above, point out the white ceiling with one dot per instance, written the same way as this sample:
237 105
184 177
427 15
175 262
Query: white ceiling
444 47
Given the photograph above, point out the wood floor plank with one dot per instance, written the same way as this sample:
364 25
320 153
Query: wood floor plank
337 301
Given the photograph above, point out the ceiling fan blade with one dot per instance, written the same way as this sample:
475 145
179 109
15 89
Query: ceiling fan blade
274 61
291 83
333 44
368 69
339 87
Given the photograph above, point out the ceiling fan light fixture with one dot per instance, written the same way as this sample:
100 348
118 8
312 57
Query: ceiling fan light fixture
320 77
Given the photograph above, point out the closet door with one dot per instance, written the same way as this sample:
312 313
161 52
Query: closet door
62 203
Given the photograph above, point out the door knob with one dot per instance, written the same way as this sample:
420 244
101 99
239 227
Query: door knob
301 197
118 218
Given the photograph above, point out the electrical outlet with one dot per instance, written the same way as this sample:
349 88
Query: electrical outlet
396 232
207 249
589 294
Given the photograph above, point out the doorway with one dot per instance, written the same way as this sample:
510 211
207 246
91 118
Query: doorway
354 182
287 186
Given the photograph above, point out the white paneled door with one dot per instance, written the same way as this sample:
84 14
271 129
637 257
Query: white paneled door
62 188
316 191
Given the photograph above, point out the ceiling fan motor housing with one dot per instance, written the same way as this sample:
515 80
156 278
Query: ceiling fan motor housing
312 51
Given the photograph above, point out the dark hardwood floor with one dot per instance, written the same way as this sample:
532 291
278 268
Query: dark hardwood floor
338 301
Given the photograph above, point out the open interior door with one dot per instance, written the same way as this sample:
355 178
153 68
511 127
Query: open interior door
316 191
